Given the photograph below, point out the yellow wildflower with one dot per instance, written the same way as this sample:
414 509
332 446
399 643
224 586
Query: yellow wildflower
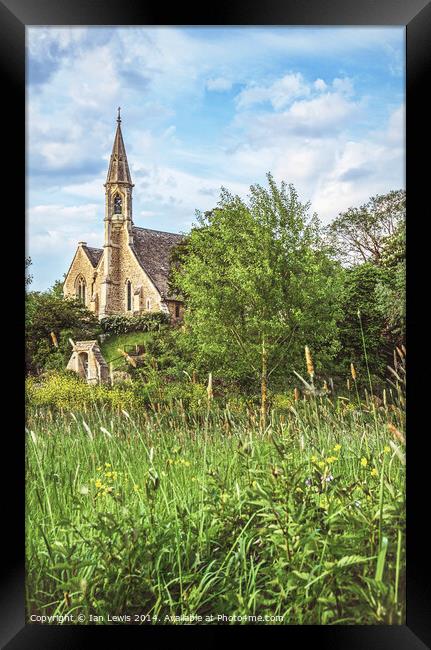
313 459
387 449
224 497
321 463
364 462
337 447
374 472
98 484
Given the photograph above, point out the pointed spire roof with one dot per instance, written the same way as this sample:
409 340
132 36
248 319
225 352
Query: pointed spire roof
118 171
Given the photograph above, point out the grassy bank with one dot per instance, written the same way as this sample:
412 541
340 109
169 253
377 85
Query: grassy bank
156 513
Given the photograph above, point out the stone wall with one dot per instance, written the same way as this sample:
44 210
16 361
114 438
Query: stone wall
172 311
81 265
126 267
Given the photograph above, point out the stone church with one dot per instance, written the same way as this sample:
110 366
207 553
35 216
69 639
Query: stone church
129 275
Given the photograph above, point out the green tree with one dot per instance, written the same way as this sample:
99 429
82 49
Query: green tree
50 320
258 285
391 290
360 234
358 293
28 277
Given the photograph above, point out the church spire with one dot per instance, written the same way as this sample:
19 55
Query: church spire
118 171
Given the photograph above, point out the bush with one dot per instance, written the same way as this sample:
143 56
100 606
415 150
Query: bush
66 390
49 313
120 324
282 402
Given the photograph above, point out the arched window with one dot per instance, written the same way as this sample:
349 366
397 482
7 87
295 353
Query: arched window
80 287
118 204
148 304
128 295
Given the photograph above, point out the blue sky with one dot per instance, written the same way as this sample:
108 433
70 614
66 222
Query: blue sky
322 108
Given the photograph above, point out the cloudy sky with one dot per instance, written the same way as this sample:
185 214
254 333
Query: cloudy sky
322 108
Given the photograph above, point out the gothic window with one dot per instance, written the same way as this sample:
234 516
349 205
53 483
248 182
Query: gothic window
148 304
177 310
80 289
118 204
129 295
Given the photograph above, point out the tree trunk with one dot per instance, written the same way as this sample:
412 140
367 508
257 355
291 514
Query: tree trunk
263 386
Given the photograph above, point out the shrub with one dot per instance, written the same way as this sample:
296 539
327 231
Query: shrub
66 390
282 402
120 324
47 314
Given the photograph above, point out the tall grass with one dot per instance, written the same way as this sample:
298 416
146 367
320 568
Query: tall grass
160 513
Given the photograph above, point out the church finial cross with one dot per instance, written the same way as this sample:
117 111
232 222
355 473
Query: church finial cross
118 116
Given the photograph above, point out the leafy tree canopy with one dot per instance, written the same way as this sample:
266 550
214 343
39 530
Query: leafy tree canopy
360 234
50 320
258 284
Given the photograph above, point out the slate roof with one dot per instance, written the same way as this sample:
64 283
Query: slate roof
94 254
153 249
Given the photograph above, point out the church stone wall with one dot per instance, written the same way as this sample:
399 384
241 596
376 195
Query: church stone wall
81 265
124 267
172 311
106 289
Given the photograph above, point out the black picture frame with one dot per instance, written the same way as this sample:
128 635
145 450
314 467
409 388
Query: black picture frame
15 16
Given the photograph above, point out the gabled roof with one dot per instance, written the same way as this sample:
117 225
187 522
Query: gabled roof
118 171
153 249
93 254
84 346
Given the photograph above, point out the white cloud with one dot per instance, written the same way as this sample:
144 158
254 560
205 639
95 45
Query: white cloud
397 125
343 86
318 117
323 112
56 229
93 79
90 190
308 126
219 84
280 93
320 85
42 41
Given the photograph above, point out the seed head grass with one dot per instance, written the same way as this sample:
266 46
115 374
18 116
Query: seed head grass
170 513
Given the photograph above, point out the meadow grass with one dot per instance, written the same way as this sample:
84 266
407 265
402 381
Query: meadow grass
159 513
